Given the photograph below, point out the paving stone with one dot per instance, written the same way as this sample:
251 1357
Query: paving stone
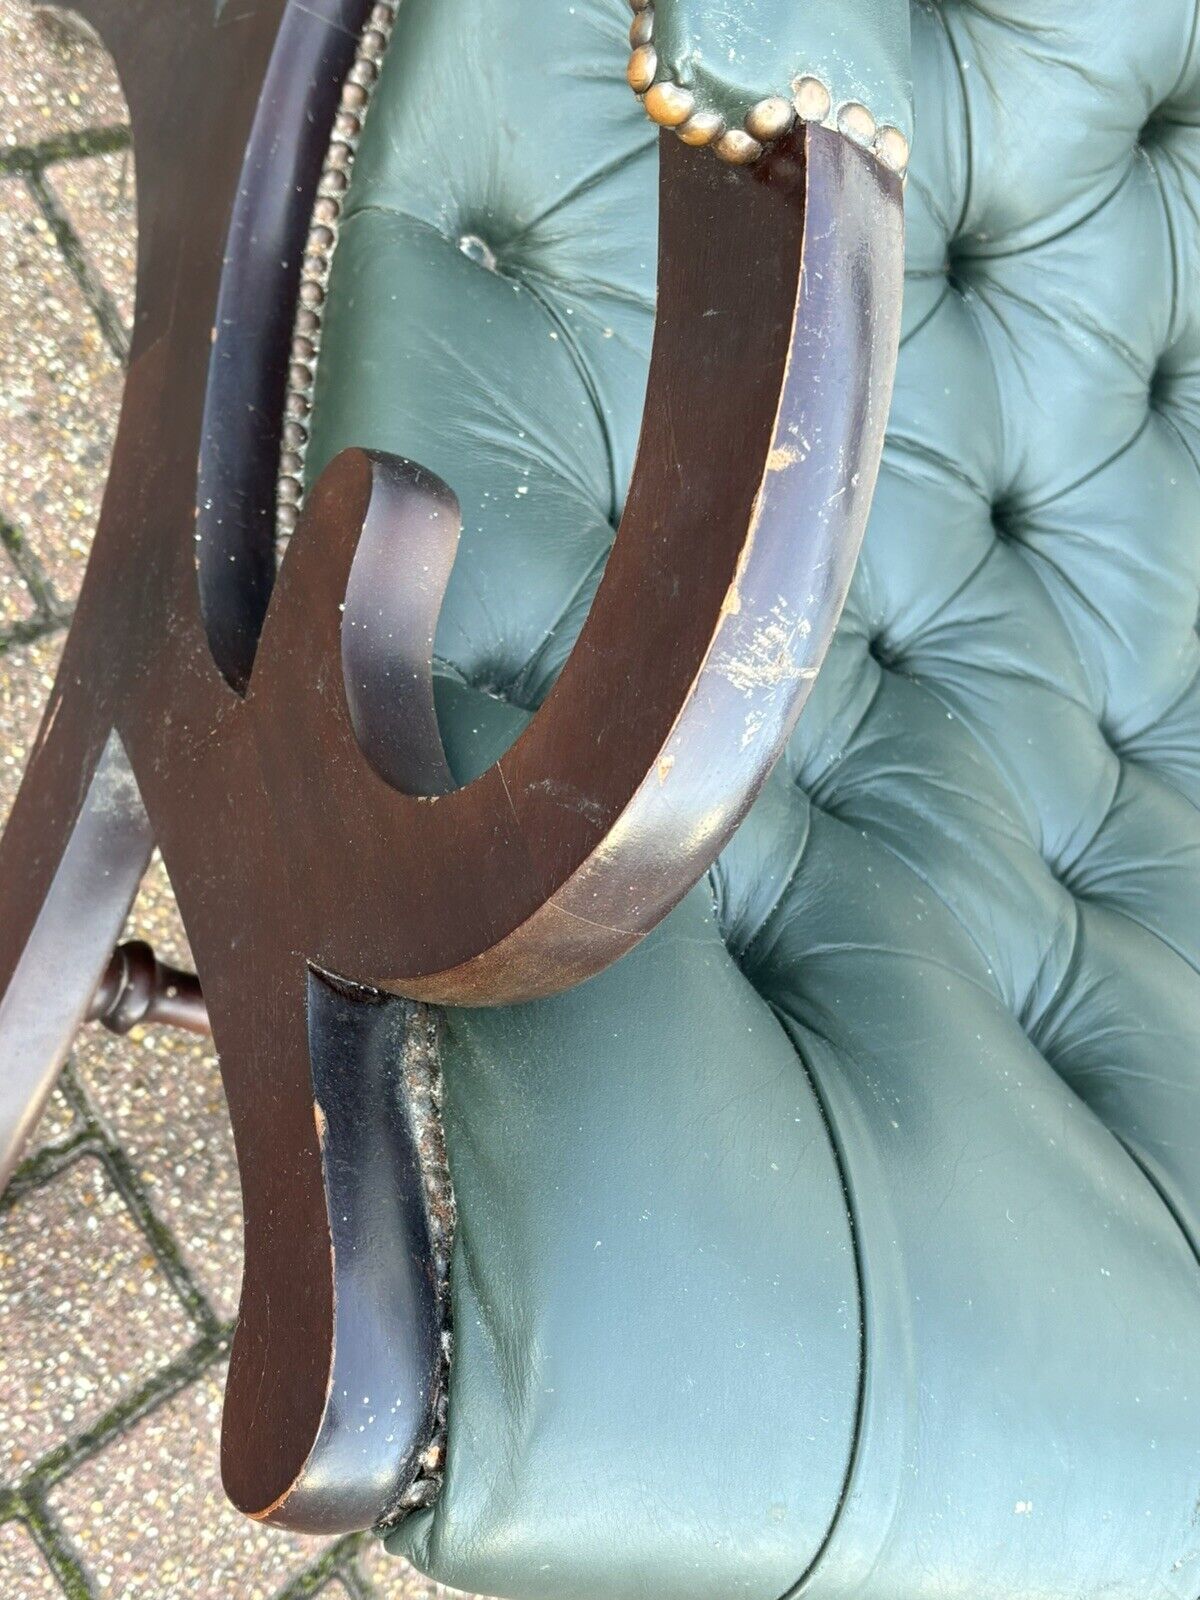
60 387
160 1093
85 1313
24 1574
59 1122
148 1518
54 79
16 602
390 1578
97 197
26 678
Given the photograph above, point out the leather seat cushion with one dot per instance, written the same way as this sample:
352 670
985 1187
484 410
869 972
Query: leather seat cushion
848 1227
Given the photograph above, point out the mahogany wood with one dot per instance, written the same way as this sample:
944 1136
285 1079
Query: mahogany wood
138 989
280 812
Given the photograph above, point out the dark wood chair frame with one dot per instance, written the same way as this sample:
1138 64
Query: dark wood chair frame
285 756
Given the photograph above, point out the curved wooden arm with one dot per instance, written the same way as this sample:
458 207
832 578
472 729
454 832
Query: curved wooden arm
287 841
764 417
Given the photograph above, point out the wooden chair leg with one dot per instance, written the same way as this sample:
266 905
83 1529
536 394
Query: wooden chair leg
54 965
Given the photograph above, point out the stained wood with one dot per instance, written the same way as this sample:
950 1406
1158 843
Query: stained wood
138 989
275 790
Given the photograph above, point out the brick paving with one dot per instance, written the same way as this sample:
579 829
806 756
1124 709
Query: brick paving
120 1235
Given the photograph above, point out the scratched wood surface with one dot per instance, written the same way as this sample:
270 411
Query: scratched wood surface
202 703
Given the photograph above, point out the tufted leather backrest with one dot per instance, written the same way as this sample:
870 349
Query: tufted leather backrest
940 1301
1027 602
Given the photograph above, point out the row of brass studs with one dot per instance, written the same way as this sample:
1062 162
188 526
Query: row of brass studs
672 106
318 257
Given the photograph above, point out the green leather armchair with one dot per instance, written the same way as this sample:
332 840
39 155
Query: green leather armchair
840 1240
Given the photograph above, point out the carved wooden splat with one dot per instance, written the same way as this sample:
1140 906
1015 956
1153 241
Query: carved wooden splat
202 704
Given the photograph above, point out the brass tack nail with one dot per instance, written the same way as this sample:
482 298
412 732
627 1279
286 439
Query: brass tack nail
643 64
669 105
856 122
770 118
892 148
641 29
705 127
811 99
738 148
322 239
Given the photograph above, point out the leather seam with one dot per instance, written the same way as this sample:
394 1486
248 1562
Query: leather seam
1033 507
924 321
845 742
521 679
716 874
1040 243
1160 1190
1031 1021
1188 447
582 367
1173 245
1112 908
1034 1031
787 1024
1129 751
994 992
956 57
899 451
1033 826
592 181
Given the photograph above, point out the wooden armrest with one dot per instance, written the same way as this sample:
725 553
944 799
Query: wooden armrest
321 856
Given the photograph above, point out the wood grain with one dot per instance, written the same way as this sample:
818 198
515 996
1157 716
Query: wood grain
302 803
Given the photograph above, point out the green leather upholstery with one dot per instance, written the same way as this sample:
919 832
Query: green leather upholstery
843 1235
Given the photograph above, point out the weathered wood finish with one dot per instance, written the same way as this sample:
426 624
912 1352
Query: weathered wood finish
288 843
